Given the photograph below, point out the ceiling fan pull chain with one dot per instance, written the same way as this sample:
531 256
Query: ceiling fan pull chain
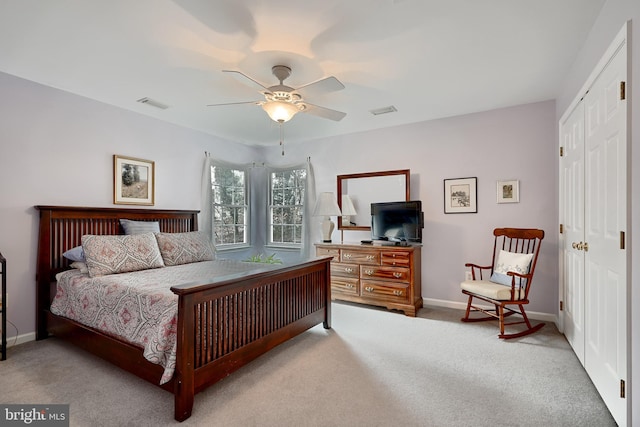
282 138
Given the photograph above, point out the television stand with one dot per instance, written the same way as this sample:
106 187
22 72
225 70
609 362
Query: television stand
383 274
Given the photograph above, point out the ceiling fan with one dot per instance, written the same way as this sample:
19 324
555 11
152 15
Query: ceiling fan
282 102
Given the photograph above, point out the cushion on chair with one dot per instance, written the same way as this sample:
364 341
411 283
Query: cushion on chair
491 290
510 261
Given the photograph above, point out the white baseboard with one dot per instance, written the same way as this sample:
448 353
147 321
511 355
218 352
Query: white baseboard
547 317
20 339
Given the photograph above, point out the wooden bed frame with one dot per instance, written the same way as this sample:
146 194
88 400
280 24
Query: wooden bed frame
221 326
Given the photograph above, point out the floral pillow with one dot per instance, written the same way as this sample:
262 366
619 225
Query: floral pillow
510 261
185 248
121 254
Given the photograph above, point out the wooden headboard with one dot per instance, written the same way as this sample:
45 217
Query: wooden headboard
62 227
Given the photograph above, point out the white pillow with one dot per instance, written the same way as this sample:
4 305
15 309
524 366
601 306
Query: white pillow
79 265
510 261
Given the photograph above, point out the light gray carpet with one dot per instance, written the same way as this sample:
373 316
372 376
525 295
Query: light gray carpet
374 368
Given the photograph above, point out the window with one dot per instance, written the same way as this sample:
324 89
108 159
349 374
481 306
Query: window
230 206
286 207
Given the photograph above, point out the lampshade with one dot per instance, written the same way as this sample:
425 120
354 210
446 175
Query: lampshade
347 206
326 205
280 111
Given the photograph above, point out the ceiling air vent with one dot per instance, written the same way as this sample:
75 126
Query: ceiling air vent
383 110
152 103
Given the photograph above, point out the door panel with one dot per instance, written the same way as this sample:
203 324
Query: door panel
572 190
606 216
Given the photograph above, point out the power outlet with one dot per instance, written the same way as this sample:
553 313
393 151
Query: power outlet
467 275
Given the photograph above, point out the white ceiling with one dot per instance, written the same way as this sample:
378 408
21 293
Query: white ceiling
428 58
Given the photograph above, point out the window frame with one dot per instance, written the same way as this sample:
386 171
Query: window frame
247 207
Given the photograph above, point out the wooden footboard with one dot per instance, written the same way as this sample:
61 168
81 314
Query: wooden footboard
226 325
222 326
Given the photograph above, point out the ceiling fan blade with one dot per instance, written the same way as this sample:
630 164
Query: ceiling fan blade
241 77
325 113
234 103
329 84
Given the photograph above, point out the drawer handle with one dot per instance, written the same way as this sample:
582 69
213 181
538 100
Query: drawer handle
349 285
397 275
368 289
369 272
370 257
398 293
348 270
347 256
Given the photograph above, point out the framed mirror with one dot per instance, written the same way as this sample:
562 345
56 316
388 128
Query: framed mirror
357 191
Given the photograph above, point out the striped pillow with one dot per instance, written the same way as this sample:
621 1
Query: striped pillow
139 227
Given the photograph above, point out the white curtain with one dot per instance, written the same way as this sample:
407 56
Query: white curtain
309 204
205 218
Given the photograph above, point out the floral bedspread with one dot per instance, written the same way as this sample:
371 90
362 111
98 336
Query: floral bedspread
138 307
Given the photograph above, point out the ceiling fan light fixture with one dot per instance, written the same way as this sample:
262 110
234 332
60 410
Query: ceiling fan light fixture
280 111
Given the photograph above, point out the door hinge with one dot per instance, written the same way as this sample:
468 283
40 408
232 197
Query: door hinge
622 389
561 229
561 151
623 92
622 239
561 306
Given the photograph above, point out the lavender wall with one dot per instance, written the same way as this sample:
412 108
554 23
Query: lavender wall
511 143
56 148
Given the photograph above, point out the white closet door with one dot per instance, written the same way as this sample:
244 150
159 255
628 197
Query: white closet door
606 217
572 191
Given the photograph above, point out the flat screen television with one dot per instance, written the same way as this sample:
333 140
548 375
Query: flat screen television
397 221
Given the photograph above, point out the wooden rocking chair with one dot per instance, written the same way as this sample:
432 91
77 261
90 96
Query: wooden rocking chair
507 284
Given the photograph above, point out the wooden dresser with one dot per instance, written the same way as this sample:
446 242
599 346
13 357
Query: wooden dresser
387 276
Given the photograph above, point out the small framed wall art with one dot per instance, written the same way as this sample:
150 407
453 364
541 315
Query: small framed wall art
133 181
460 195
508 191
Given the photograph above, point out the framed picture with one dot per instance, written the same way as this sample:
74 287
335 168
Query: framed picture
508 191
133 181
460 195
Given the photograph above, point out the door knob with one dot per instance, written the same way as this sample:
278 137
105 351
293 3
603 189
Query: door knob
581 246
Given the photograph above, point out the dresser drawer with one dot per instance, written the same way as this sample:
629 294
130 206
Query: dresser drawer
399 274
344 285
397 258
335 253
360 257
345 270
385 291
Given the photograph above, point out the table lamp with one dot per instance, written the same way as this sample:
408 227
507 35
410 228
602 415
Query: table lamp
327 206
